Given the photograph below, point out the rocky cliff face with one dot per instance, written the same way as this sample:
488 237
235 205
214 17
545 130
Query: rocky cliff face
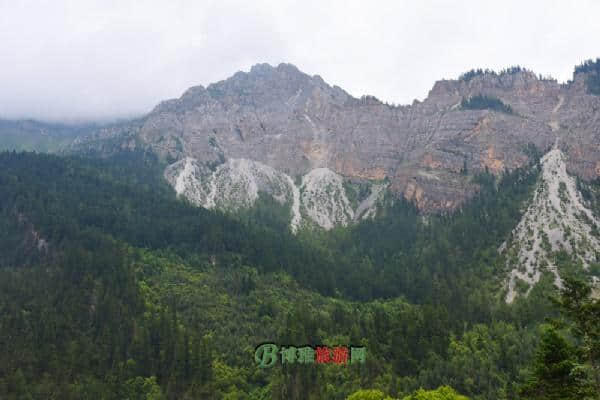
294 132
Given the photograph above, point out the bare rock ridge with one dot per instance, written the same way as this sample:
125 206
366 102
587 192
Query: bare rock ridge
281 131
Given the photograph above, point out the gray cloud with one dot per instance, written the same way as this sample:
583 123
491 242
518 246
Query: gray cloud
81 60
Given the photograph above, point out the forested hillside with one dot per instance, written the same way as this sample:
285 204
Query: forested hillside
30 135
111 287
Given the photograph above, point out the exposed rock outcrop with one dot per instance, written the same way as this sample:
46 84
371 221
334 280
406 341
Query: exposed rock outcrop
320 198
295 124
556 220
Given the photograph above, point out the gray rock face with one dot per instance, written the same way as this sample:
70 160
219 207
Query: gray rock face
296 123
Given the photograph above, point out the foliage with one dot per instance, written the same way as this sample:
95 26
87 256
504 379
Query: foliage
37 136
588 66
564 370
441 393
483 102
555 374
592 70
140 294
469 75
368 395
578 305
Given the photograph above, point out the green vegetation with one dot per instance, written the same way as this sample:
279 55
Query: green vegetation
141 295
29 135
592 80
467 76
441 393
357 192
554 371
482 102
564 370
30 142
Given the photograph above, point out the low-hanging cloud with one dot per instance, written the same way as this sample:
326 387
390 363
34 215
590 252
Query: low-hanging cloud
99 60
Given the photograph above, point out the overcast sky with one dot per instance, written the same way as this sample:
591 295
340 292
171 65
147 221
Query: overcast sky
84 60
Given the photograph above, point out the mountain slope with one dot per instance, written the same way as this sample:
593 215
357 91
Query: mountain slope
295 123
112 287
28 135
320 197
140 293
556 220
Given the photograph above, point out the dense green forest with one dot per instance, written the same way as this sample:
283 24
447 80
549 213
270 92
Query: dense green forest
112 288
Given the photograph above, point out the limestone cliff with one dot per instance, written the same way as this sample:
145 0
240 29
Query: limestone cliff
294 125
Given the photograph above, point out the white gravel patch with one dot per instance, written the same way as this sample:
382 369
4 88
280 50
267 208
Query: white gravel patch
324 200
556 219
236 184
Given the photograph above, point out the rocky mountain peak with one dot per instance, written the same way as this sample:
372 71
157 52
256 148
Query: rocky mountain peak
266 69
264 85
427 152
514 81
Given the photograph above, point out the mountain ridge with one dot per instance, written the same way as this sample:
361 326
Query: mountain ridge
427 151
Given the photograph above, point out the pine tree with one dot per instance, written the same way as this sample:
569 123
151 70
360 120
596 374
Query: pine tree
577 304
556 375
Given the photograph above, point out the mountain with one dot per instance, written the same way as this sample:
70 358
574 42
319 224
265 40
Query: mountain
447 225
329 159
281 131
30 135
111 287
